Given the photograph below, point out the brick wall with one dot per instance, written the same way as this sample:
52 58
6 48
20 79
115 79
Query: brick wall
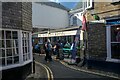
97 31
103 9
17 15
11 15
97 41
27 16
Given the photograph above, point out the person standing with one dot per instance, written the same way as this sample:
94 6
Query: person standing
57 49
48 49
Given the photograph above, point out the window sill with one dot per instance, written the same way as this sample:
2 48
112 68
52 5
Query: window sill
113 60
15 65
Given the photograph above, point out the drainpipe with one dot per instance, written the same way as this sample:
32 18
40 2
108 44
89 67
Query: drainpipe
33 64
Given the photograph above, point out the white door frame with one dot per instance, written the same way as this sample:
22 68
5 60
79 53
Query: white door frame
108 41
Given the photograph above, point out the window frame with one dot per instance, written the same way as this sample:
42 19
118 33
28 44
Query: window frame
86 4
109 42
20 52
25 39
5 48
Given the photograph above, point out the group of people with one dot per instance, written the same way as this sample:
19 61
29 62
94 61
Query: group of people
54 49
49 49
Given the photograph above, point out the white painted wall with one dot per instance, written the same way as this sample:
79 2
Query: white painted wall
50 17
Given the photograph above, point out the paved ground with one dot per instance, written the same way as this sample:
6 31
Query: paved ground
40 73
62 72
94 71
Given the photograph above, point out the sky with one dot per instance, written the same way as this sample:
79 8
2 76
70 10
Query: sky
67 3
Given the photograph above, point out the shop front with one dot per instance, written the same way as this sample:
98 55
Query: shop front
113 40
103 45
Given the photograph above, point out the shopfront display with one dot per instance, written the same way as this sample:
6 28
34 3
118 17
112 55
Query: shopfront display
113 38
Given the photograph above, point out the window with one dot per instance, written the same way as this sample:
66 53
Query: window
15 48
115 42
25 46
74 21
88 4
9 47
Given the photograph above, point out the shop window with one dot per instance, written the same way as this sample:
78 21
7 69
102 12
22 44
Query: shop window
115 42
8 47
8 36
25 46
2 61
13 46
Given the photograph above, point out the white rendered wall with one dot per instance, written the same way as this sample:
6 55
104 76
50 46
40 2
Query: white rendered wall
49 17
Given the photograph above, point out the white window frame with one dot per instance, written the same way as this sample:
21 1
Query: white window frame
5 48
109 56
20 51
86 4
27 45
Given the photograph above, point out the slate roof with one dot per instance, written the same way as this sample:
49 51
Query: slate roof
53 4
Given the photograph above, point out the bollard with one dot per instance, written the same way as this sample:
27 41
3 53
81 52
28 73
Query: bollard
33 65
61 54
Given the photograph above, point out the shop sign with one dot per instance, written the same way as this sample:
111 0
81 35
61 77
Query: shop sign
97 21
113 22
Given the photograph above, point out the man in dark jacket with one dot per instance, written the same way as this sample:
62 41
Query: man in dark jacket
57 49
48 49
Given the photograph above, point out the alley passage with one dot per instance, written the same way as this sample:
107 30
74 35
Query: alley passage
63 72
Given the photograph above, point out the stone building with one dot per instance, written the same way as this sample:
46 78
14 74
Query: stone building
103 36
16 46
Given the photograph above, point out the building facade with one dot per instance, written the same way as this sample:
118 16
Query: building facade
103 28
15 39
101 45
49 15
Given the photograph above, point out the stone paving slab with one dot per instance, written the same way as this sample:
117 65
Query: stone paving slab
40 74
